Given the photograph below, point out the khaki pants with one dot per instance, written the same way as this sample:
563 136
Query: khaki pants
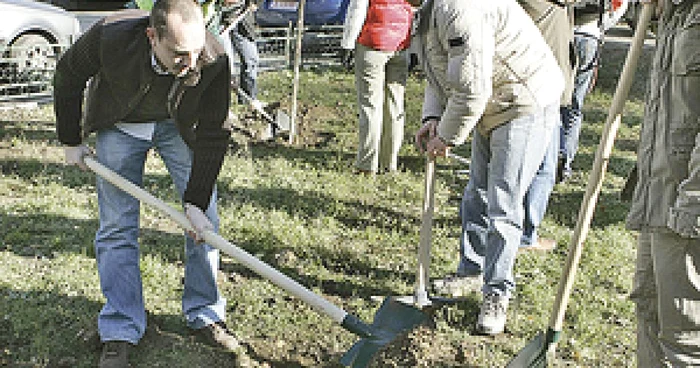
667 295
380 78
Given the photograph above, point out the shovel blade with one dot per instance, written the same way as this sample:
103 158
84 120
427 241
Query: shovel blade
392 319
533 355
282 121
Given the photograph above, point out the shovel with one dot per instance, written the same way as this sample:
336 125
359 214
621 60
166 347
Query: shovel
278 123
535 353
401 314
381 332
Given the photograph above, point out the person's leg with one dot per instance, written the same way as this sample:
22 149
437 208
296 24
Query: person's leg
247 51
369 80
649 353
473 210
677 274
517 150
572 116
537 196
394 111
202 302
123 317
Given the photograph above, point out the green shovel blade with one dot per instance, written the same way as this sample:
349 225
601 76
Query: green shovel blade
534 354
392 319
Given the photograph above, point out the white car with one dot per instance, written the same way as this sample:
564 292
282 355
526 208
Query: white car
32 33
32 36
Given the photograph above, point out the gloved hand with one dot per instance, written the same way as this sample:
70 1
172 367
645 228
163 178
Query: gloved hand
75 155
347 57
200 222
427 140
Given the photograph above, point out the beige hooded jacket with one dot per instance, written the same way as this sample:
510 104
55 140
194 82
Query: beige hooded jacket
486 64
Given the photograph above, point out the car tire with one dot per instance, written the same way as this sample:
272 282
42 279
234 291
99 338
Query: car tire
33 53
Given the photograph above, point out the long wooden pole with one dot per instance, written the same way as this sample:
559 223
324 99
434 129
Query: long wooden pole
297 63
595 180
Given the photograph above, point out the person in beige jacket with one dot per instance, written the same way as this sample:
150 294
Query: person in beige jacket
489 72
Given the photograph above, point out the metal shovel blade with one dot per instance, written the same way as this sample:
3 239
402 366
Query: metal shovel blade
533 355
282 122
391 320
279 120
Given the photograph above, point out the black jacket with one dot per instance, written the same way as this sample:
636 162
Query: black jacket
115 56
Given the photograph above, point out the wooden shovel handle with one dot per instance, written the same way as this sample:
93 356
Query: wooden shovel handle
595 180
214 239
426 234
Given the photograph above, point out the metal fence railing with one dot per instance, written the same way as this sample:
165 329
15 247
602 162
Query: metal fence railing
320 46
26 72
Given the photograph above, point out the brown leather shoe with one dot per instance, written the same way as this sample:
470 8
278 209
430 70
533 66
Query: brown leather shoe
115 354
542 245
218 336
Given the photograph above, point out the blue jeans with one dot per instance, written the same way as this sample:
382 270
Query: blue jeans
248 55
537 196
123 316
572 116
503 166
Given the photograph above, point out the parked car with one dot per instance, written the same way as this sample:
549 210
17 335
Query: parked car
279 13
323 20
32 36
90 5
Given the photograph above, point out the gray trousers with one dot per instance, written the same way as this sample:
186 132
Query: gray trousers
667 295
380 78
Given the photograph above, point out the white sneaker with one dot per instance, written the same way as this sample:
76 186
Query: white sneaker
492 316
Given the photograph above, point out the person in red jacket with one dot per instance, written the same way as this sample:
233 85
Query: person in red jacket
379 32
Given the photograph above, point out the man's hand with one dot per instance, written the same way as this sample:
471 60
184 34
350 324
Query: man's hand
427 140
75 155
437 148
425 134
200 222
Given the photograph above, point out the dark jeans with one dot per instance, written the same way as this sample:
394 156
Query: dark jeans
248 55
572 116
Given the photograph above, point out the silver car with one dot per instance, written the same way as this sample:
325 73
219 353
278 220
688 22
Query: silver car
32 35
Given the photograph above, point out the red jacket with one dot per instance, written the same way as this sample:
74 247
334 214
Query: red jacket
387 26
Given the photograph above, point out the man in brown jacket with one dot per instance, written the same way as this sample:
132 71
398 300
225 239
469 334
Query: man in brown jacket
156 81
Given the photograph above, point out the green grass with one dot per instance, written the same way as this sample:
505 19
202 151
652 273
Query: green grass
299 208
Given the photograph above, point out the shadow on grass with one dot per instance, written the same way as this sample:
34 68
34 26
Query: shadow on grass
56 330
613 58
31 130
322 156
42 235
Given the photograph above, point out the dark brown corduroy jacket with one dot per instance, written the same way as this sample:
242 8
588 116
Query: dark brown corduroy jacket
115 57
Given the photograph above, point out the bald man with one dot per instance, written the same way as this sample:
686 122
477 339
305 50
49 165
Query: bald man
156 81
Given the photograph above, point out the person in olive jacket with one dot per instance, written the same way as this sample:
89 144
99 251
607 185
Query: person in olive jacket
152 81
665 208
